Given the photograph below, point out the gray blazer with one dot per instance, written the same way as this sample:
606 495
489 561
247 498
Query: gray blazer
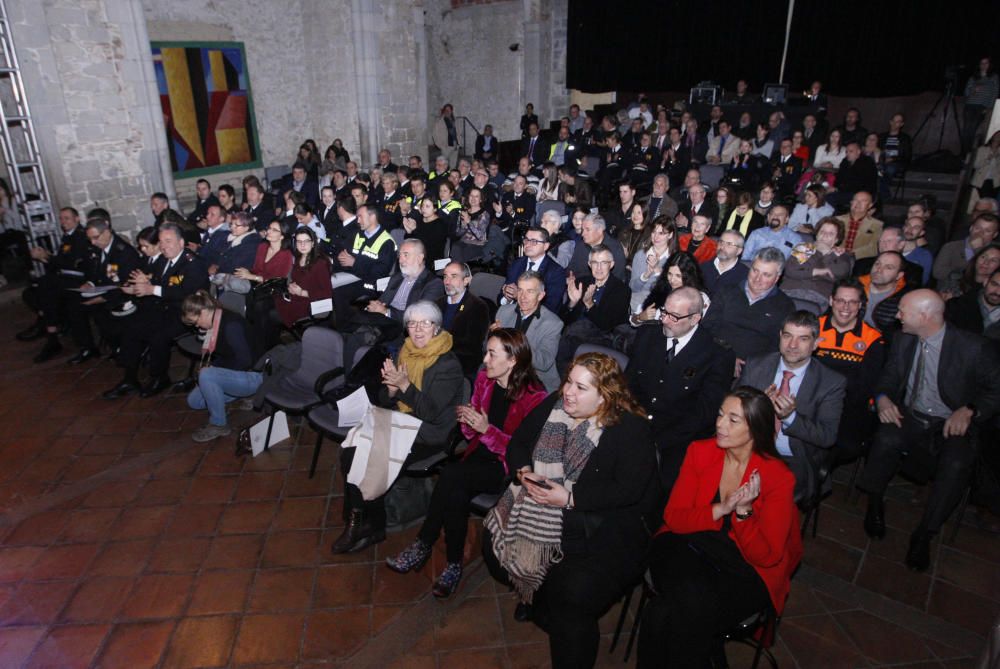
817 417
543 337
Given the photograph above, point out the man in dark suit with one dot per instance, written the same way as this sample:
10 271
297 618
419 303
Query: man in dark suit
327 213
786 169
215 236
807 397
300 182
595 306
534 147
536 259
158 320
696 204
110 262
385 162
487 146
680 375
465 316
978 311
939 387
257 208
205 198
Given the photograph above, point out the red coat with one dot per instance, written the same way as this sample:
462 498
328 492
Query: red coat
769 540
706 250
315 280
494 438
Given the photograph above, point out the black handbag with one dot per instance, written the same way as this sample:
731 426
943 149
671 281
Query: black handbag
266 290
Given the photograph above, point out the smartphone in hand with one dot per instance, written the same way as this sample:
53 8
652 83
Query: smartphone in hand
540 484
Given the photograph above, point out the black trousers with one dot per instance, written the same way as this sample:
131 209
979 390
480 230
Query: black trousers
696 602
51 295
923 443
576 593
857 423
456 486
374 509
153 327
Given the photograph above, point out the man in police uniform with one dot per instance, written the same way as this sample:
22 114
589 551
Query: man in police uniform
856 350
110 262
157 322
63 270
390 217
517 207
370 257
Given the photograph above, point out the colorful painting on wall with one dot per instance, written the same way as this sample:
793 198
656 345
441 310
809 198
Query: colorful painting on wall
207 107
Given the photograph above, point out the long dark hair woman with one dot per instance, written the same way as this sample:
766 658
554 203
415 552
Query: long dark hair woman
505 391
569 532
308 281
729 541
680 271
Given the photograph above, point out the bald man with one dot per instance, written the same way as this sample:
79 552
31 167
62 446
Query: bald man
939 387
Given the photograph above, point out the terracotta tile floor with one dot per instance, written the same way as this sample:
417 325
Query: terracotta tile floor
125 544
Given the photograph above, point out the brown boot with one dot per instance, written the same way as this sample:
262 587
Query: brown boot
357 535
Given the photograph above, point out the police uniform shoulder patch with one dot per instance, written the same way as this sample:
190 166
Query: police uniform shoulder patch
860 346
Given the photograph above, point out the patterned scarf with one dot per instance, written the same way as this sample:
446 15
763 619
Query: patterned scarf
527 536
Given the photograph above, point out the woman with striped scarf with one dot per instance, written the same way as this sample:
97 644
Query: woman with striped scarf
570 532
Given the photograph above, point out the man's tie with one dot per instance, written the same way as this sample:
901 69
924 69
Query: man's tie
166 269
531 148
784 389
918 376
531 265
672 351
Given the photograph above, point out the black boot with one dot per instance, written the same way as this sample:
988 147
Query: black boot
875 517
50 350
36 331
128 386
84 355
358 534
155 387
918 555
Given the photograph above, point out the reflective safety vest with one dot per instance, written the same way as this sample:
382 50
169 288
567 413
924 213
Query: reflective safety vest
370 248
449 206
850 346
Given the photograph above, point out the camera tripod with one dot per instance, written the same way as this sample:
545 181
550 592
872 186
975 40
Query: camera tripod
950 106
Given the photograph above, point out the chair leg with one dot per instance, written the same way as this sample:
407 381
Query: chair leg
270 424
319 445
852 490
635 623
626 602
815 519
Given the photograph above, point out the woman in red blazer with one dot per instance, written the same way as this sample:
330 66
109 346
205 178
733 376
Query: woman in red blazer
505 391
729 541
309 280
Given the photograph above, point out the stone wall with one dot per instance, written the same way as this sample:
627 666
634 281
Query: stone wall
88 78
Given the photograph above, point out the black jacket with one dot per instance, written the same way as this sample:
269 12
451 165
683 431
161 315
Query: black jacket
749 329
232 350
682 398
963 312
615 491
426 287
468 330
121 260
611 309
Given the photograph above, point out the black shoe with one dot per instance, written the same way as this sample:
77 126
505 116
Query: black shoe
185 385
918 555
84 355
123 389
358 534
155 387
35 332
875 518
50 350
522 613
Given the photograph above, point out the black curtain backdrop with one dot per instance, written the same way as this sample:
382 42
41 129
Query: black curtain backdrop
872 48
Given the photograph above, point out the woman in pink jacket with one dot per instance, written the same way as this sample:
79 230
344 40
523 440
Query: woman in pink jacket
505 391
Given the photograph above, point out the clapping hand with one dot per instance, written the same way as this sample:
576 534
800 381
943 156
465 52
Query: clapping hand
574 290
740 500
475 419
395 378
588 296
784 405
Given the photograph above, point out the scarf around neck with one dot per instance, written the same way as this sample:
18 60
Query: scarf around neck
418 360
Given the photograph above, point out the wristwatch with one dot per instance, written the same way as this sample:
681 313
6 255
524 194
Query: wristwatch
743 516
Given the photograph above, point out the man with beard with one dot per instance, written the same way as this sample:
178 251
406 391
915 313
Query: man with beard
777 234
465 316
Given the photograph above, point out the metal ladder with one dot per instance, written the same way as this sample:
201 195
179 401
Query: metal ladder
19 144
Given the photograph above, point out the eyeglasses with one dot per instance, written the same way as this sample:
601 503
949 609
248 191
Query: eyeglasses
533 241
301 242
600 263
733 244
419 325
841 302
678 317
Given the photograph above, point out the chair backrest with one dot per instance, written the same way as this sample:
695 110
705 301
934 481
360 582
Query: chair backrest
322 349
234 302
618 356
487 286
275 173
807 305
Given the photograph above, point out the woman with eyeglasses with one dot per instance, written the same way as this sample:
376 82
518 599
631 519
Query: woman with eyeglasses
243 244
505 391
308 282
680 270
425 381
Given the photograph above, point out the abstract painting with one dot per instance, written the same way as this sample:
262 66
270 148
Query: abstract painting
207 106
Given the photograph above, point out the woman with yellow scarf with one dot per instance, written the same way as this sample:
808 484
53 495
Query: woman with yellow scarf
425 381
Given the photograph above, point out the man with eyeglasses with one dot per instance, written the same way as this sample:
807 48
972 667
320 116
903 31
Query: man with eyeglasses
807 397
536 259
540 326
595 306
726 269
855 350
680 375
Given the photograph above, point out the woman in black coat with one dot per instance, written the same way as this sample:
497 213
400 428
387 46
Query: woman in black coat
579 508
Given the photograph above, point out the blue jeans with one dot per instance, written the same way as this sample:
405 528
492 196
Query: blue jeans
216 386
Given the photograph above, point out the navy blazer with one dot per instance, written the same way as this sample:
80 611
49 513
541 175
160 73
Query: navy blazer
218 242
553 274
